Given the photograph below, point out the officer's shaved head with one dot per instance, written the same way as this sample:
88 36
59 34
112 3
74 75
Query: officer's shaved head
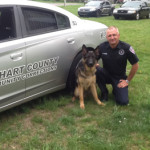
113 28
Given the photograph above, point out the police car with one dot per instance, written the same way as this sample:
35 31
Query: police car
40 46
132 9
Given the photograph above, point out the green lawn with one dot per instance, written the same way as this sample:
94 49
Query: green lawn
54 122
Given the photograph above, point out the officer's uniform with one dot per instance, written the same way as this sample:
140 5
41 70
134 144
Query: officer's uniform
114 68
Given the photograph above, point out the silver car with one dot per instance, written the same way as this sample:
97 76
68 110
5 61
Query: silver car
40 46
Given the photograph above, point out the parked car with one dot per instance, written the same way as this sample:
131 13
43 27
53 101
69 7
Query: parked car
40 46
147 1
96 8
133 10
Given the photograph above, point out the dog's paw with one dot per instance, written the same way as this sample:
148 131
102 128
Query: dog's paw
82 106
100 103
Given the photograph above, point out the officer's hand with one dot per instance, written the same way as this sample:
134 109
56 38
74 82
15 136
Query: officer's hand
122 83
97 65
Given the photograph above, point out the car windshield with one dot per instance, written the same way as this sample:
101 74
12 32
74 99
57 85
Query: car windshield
93 3
131 4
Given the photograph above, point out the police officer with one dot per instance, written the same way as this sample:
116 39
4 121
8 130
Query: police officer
114 54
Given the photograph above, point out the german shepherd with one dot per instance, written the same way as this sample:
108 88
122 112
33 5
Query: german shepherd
85 75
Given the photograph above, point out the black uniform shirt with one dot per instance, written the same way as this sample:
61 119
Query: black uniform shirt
115 60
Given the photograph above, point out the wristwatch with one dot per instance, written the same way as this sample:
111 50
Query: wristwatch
127 81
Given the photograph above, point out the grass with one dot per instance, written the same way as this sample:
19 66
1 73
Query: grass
53 122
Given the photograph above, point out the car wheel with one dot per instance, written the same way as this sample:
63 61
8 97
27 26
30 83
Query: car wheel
98 13
71 77
116 17
111 12
137 17
148 16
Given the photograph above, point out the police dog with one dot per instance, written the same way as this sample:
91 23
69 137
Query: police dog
85 75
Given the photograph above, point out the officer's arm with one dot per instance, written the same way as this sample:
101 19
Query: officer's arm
124 83
133 71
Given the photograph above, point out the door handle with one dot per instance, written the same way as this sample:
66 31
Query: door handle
16 56
71 40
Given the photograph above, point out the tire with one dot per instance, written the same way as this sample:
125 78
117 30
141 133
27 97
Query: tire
116 17
111 12
71 80
137 16
98 13
148 16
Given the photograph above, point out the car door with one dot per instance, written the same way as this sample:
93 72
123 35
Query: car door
48 47
12 59
105 9
108 6
145 9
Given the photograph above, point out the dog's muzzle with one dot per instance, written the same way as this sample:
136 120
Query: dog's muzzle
90 63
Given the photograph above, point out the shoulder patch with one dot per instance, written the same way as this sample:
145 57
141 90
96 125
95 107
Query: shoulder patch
131 50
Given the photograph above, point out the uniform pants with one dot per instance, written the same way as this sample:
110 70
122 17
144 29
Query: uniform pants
103 78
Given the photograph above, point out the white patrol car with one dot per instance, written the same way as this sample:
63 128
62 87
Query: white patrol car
40 46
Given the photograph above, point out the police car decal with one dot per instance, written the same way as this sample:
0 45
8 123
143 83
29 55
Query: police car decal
103 35
16 74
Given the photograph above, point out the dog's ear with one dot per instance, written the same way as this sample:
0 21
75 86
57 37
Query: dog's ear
97 51
84 50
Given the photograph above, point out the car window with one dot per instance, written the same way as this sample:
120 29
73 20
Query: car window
103 4
7 24
62 21
143 4
107 3
39 21
93 3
